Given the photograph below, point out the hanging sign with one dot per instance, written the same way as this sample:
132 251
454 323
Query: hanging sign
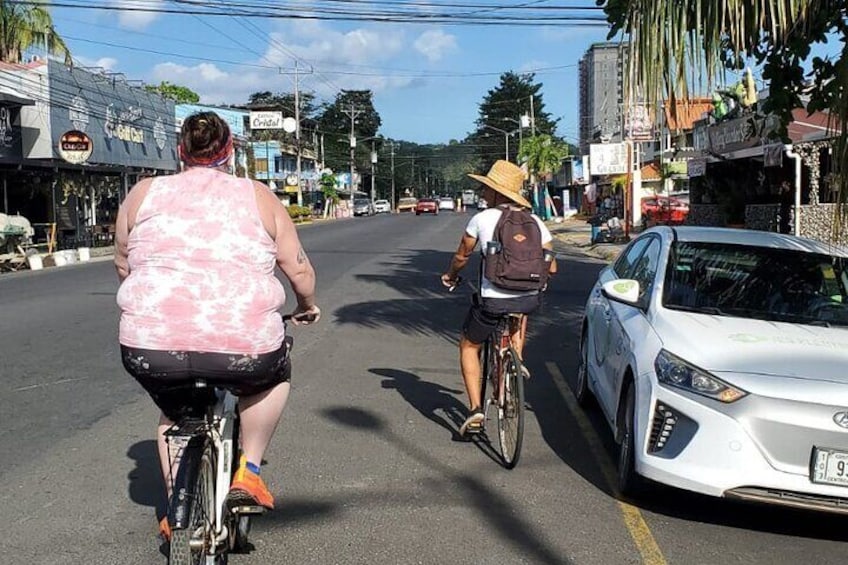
75 147
266 120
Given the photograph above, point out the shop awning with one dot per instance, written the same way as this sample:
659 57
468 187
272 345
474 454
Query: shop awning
9 99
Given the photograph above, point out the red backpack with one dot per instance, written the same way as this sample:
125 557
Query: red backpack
515 259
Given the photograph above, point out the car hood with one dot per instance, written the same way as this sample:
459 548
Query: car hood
757 352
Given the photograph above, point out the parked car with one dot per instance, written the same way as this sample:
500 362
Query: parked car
363 207
382 207
663 210
427 206
718 359
447 203
407 204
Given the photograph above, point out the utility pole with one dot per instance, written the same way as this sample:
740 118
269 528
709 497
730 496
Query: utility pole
373 161
352 113
297 134
297 129
393 175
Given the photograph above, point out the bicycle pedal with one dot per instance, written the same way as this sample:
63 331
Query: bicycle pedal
248 510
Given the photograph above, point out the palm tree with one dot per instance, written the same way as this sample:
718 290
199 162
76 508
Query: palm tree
543 155
678 46
25 26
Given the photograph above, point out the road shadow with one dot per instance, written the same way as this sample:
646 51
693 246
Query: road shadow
145 480
432 400
421 310
494 509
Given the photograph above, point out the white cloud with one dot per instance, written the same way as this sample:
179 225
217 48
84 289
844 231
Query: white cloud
435 44
133 19
213 85
108 63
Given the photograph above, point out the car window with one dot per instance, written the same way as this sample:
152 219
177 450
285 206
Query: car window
780 285
628 258
644 269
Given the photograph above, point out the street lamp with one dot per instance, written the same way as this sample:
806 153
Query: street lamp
506 138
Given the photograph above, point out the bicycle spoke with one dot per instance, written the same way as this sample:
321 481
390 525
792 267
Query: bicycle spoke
511 411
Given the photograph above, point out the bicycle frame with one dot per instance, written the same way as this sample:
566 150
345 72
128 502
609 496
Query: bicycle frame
218 428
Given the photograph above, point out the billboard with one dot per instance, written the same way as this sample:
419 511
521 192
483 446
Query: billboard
126 125
607 158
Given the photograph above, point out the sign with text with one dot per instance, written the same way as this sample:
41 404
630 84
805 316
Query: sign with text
266 120
608 158
696 168
75 147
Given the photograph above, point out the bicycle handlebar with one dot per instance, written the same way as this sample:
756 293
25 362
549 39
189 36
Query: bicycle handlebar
302 317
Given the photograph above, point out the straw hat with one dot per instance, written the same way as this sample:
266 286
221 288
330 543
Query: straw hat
507 179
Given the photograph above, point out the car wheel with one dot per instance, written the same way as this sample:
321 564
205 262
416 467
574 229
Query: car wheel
629 482
582 392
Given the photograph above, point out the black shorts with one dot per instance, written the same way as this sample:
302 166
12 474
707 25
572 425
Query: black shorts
168 376
484 314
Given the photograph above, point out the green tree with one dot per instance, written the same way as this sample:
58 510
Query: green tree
26 26
501 109
715 34
179 94
334 123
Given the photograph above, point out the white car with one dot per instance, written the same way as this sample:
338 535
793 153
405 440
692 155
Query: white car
719 358
382 206
447 203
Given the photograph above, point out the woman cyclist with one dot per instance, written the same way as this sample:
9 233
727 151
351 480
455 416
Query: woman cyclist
195 254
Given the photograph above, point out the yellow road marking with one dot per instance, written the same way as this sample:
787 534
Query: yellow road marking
633 519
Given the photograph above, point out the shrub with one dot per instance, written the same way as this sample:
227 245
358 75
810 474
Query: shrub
299 212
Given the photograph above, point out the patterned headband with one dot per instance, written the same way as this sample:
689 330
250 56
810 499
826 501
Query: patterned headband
216 160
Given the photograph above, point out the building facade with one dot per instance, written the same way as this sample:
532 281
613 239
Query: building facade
601 94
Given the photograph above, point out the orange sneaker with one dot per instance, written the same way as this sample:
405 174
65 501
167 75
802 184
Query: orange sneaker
248 489
165 529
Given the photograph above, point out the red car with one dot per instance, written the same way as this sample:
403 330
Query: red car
427 206
663 210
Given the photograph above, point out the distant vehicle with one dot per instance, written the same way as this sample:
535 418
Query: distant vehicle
447 203
382 207
407 204
469 197
427 206
363 207
665 210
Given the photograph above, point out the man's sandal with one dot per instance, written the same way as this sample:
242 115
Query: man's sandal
473 424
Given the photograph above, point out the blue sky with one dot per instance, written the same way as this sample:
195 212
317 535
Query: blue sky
427 80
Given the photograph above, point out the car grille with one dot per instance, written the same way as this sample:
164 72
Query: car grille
661 428
671 431
790 498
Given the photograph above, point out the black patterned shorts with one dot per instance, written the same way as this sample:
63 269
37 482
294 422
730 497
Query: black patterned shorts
169 376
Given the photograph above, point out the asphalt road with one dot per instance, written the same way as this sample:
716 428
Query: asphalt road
366 465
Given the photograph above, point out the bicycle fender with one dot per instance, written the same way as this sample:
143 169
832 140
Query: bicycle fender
182 494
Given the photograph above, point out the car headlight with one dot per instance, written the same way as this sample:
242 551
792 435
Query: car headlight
674 371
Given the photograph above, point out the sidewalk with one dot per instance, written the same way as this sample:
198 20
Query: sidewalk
573 235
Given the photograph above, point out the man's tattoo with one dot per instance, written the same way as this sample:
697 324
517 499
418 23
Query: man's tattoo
301 256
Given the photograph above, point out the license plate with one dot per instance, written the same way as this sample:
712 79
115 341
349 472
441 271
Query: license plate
829 466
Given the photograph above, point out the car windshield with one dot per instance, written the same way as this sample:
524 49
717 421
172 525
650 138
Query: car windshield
764 283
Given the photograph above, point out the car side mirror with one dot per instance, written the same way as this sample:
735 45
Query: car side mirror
625 291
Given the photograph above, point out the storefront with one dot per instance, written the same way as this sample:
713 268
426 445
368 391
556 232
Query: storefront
131 134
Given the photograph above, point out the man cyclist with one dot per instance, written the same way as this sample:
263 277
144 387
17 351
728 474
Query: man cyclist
502 190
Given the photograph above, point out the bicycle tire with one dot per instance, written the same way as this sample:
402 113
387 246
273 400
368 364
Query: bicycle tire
511 413
202 507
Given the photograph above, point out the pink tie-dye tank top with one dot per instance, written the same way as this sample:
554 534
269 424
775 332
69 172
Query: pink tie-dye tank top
201 269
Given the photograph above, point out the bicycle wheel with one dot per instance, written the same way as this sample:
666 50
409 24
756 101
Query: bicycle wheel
511 412
190 545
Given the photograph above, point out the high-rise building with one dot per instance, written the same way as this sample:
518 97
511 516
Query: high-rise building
601 93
